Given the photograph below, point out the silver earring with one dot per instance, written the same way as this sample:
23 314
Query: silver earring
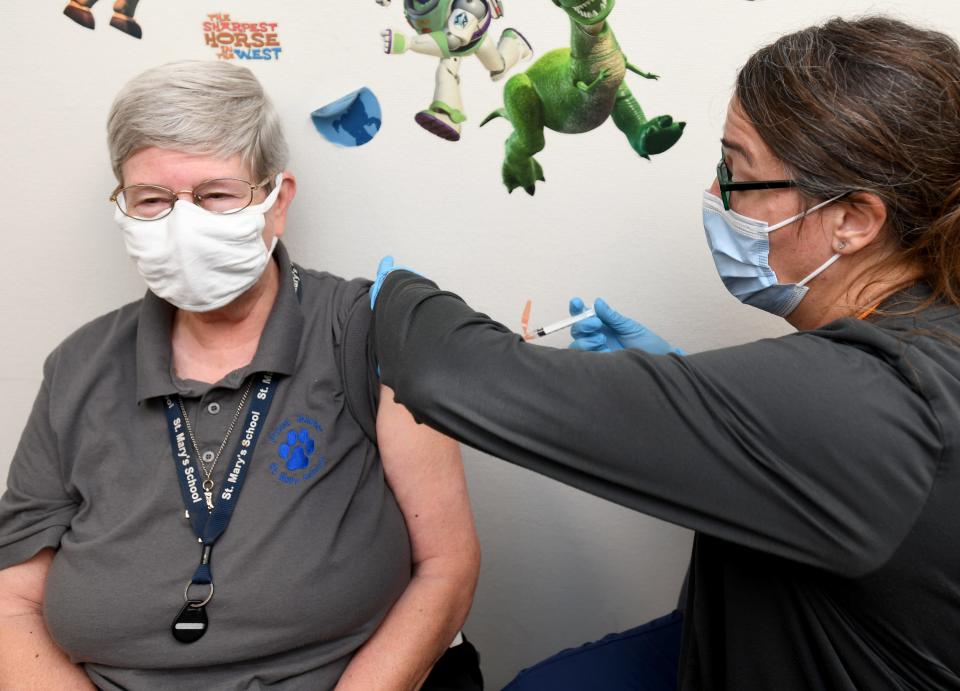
840 245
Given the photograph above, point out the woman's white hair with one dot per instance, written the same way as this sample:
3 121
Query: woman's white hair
201 107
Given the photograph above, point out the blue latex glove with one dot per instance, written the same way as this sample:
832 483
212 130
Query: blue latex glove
385 267
610 330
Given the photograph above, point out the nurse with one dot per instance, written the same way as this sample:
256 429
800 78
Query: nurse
821 470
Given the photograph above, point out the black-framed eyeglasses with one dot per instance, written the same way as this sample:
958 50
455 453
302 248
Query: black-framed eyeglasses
153 202
727 185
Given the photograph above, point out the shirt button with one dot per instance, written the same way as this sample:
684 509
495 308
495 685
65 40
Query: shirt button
213 408
208 456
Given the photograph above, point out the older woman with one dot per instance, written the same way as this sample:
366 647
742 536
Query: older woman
126 485
821 470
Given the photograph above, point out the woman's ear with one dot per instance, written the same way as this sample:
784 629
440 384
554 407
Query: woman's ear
857 221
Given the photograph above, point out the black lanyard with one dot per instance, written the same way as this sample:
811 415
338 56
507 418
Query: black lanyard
208 525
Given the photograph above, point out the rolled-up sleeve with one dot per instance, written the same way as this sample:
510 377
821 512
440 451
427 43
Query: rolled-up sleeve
36 509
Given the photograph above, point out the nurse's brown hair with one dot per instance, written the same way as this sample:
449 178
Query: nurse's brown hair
872 105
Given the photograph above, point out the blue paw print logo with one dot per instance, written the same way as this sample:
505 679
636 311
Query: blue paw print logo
296 449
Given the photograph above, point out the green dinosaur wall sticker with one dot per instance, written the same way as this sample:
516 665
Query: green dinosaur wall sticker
575 90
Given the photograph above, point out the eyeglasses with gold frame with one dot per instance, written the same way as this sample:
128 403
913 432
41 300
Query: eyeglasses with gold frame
153 202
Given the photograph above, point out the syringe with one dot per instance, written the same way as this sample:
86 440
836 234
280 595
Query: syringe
542 331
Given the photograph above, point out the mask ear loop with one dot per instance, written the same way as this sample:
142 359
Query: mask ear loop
786 222
268 202
271 199
823 267
830 262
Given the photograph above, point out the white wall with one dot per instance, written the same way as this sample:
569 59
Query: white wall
559 567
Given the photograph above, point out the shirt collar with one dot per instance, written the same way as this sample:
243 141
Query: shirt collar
277 351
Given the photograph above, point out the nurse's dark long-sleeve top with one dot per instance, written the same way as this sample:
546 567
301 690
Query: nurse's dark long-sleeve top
820 470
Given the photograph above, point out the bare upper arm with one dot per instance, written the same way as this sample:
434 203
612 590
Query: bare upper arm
424 469
22 585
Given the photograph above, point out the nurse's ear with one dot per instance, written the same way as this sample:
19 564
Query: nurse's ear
277 215
857 221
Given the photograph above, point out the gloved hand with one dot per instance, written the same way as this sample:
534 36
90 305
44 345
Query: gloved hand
384 268
610 330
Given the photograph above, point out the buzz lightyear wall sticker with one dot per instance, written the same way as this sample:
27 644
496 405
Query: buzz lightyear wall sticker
452 30
575 90
122 19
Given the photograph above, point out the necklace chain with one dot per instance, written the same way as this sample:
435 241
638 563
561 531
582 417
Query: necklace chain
208 470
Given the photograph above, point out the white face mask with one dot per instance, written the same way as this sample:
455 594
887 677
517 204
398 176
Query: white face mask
198 260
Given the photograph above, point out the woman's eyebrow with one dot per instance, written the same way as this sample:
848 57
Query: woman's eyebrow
739 148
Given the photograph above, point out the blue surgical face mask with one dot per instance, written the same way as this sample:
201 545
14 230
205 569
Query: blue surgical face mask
741 249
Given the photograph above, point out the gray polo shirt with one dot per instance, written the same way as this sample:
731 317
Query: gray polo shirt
317 550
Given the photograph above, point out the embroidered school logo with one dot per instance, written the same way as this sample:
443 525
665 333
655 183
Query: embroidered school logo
297 458
241 40
296 450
